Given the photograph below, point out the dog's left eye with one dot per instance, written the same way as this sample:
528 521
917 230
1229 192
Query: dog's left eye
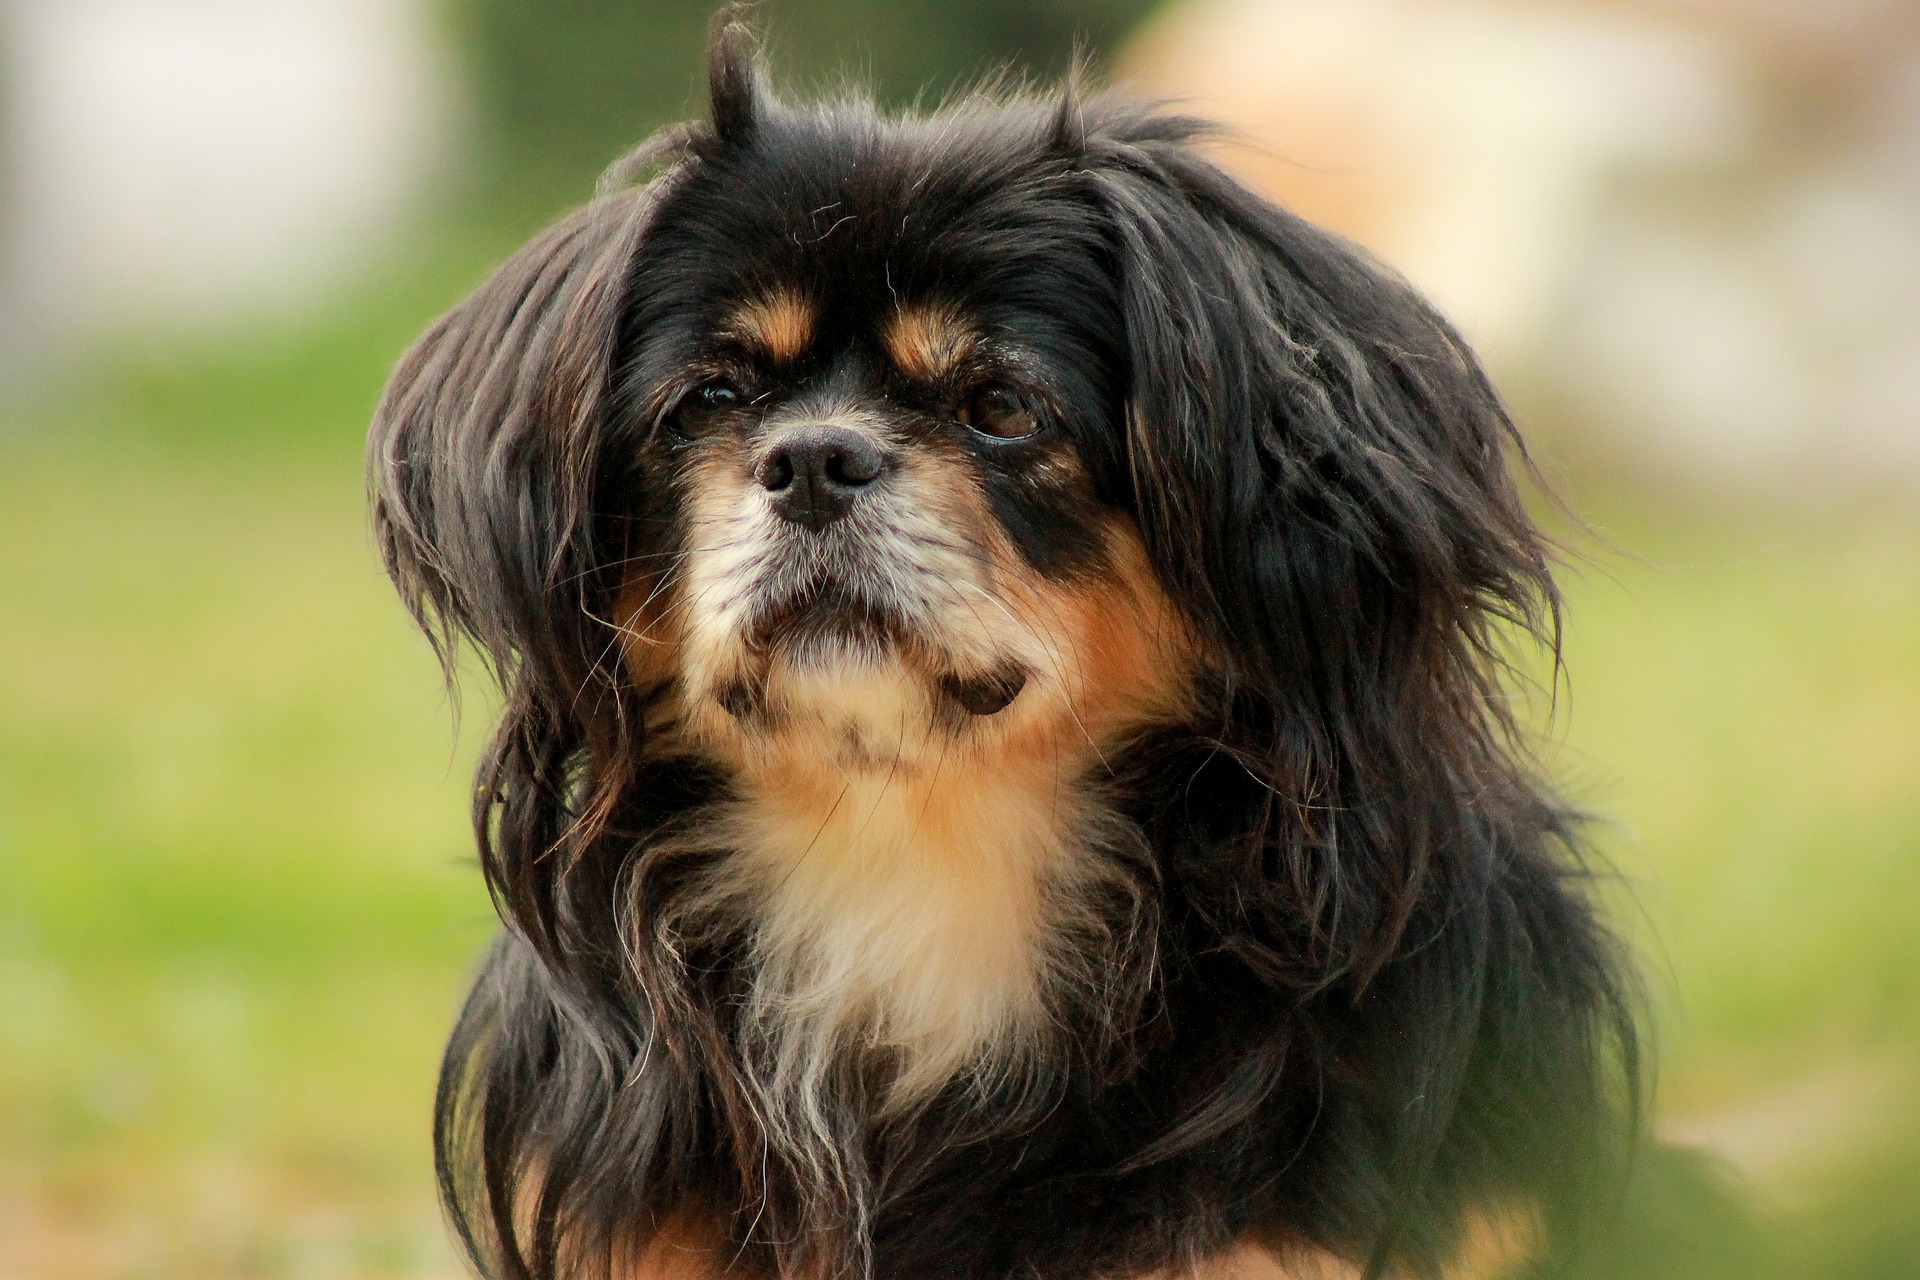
996 412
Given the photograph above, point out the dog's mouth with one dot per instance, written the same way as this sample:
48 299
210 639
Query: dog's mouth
821 622
828 626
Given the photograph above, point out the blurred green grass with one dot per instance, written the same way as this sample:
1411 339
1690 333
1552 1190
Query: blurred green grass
236 902
237 906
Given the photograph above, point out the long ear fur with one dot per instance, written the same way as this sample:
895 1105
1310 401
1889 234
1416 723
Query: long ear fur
482 456
1319 464
476 452
1321 473
483 461
1321 470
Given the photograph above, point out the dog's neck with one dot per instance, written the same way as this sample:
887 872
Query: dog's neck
918 886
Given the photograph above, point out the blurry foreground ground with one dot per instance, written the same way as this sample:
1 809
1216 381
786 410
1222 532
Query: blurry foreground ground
237 907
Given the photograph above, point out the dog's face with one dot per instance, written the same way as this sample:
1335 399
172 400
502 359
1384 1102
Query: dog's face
872 491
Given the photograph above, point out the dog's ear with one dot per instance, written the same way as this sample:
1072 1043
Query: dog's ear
1321 467
483 458
482 448
1321 472
483 461
483 444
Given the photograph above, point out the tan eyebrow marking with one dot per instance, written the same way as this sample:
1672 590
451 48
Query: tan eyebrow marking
779 325
927 340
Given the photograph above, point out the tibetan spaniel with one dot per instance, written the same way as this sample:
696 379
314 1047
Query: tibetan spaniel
1006 766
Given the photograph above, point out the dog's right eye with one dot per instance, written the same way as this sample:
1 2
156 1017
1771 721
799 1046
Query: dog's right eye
717 395
691 412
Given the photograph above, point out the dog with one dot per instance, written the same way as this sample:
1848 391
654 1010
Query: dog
1006 766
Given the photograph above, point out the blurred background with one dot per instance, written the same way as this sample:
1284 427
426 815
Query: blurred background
237 905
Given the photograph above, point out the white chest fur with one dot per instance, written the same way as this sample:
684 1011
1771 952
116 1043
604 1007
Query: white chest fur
912 885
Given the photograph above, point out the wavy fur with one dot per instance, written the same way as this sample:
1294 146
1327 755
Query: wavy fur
1319 969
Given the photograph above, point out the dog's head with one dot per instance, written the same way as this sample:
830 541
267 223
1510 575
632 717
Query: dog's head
870 460
998 427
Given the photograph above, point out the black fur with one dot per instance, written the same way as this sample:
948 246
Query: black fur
1371 995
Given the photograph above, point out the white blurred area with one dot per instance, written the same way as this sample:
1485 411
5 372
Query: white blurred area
201 164
1690 227
1689 230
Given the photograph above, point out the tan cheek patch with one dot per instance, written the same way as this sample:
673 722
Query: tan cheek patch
1139 648
779 326
927 341
1118 649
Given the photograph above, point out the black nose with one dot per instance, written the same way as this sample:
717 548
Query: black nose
816 473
